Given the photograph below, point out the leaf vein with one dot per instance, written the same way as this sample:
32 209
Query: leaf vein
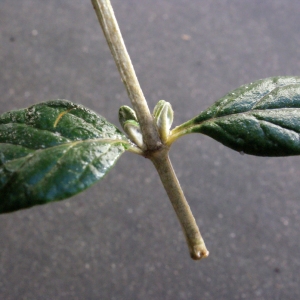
72 144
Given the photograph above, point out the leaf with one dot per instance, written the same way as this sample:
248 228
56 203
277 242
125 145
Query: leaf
53 150
261 118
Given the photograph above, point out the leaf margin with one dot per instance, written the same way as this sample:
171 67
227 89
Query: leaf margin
257 94
121 142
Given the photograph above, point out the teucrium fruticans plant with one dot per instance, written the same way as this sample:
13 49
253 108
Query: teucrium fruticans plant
53 150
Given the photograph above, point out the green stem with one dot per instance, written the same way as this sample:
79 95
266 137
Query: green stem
185 216
119 52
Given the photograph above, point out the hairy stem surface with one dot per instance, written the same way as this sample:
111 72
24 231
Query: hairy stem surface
119 52
172 186
154 149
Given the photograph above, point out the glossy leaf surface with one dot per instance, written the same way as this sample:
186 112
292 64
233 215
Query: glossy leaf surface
261 118
53 150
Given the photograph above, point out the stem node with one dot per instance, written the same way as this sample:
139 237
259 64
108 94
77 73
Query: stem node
154 148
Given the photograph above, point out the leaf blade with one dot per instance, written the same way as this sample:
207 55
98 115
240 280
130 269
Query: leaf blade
262 118
77 148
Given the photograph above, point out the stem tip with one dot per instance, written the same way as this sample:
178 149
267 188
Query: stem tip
198 253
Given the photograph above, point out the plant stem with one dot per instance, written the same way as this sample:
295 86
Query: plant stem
154 150
117 47
172 186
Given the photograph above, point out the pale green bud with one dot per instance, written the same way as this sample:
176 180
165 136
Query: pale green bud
126 113
133 130
163 115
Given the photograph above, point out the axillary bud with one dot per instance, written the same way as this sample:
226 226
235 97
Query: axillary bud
163 115
130 125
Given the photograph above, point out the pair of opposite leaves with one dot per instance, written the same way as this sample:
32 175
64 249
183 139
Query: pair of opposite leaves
53 150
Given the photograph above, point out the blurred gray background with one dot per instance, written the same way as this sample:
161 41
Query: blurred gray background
120 239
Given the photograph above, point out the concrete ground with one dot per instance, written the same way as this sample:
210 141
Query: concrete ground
120 239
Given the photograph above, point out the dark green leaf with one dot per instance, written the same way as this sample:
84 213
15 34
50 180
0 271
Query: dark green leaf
53 150
261 118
